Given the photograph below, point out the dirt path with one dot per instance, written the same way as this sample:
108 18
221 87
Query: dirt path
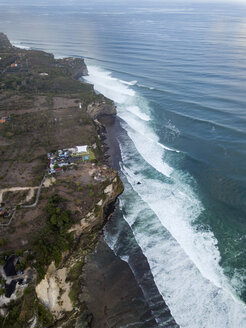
46 182
2 191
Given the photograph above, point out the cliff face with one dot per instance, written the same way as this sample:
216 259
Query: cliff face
61 289
76 66
4 42
82 71
49 241
97 109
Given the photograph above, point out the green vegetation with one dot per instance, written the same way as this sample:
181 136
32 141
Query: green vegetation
75 271
3 241
22 310
45 318
43 108
92 157
13 319
54 239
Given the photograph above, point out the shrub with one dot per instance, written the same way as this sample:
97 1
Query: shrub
3 242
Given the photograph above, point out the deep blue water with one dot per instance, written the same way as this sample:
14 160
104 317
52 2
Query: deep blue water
177 73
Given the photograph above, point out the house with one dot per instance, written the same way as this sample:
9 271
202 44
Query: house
63 164
81 149
72 150
4 119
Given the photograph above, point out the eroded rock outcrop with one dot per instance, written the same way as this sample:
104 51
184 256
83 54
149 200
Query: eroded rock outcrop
4 42
60 289
53 291
97 109
76 66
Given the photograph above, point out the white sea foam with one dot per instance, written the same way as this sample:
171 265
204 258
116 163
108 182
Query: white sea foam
136 111
194 301
109 86
129 83
186 265
145 140
19 44
145 86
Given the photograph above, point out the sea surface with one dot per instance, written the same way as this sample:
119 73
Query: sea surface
177 73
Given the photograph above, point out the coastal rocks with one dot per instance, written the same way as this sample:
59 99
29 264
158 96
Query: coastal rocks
4 42
108 189
85 223
60 290
81 72
53 291
100 203
97 109
76 65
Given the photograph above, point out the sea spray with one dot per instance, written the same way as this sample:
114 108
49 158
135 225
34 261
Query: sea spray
194 261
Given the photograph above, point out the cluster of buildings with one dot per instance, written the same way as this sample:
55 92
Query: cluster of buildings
4 119
67 157
2 211
20 63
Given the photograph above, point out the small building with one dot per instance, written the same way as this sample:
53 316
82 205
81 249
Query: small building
4 119
72 150
81 149
63 164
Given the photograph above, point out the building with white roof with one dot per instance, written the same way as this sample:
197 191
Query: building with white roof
81 149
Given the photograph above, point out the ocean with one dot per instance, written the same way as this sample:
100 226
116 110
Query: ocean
177 73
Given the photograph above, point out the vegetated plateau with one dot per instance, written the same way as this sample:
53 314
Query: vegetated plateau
48 223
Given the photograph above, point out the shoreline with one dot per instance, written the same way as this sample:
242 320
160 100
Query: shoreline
82 305
79 200
110 128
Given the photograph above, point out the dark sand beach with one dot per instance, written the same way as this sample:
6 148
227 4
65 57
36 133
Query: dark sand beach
115 295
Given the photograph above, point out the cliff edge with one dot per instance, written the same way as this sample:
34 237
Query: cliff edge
56 191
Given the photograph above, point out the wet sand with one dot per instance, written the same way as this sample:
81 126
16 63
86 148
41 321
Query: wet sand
112 293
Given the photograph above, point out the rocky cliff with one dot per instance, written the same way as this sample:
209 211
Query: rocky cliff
4 42
104 107
76 66
61 290
44 246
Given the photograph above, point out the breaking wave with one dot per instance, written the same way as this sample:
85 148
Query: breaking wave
183 257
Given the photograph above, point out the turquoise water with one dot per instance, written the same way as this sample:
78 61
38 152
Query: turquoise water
177 75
